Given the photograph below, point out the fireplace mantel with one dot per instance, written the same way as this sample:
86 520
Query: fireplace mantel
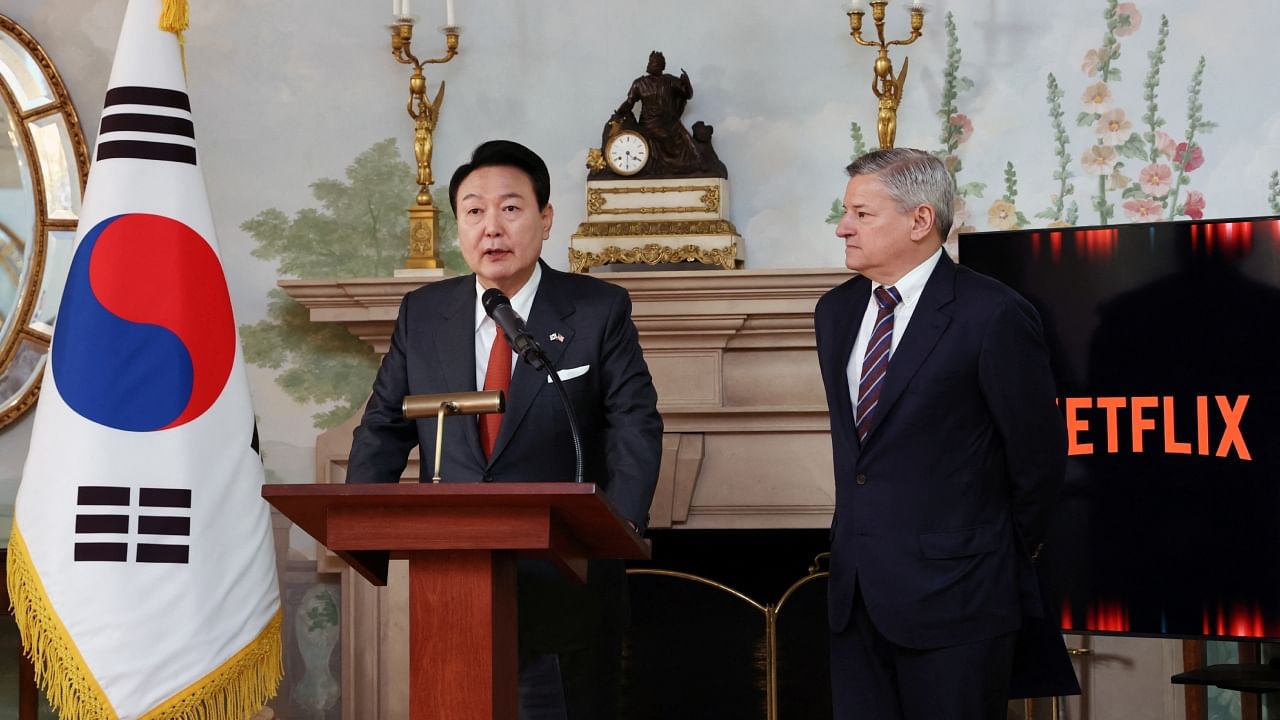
746 442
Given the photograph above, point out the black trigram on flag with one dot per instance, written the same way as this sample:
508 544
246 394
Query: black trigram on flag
89 525
135 121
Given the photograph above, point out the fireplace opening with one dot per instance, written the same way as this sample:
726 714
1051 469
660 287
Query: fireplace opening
726 623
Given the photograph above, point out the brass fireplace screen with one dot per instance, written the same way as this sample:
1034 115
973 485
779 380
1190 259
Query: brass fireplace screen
699 648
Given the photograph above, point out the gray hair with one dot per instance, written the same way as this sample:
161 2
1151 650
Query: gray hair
913 178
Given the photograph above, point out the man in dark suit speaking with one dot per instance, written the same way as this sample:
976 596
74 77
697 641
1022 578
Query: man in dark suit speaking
570 636
949 451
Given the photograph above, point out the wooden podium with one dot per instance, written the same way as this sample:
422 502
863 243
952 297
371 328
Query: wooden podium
461 541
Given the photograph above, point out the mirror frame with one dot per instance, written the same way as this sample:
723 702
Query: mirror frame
20 331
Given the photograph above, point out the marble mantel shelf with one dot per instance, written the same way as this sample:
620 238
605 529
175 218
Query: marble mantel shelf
746 440
657 295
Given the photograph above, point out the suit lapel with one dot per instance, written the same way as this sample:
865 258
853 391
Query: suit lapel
928 322
550 313
456 357
837 360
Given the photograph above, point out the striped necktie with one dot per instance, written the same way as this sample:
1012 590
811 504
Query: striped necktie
876 360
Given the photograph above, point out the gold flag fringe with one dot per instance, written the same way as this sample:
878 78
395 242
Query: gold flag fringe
234 690
71 689
175 17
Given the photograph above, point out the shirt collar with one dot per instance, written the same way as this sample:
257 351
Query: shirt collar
521 302
912 284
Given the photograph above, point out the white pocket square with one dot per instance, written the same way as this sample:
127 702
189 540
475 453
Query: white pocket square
571 373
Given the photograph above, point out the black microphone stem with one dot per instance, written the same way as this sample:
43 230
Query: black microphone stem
568 411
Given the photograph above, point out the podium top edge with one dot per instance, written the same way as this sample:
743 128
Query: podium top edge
444 489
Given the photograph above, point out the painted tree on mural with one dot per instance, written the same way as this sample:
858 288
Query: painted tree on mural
359 230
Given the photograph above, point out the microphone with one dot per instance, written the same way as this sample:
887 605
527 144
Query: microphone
497 306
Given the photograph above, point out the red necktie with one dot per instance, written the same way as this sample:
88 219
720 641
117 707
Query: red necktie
876 361
496 377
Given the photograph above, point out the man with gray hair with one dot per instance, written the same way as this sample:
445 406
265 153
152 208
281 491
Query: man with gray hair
949 452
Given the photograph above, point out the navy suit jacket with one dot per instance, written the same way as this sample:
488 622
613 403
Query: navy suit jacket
433 351
938 512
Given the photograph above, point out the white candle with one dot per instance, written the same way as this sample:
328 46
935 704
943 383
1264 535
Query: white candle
404 8
448 14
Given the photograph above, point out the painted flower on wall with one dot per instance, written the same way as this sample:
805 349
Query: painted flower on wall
1118 180
960 218
1190 160
1165 144
1094 60
1098 159
1128 19
965 125
1113 127
1194 206
1002 215
1097 97
1143 210
1155 179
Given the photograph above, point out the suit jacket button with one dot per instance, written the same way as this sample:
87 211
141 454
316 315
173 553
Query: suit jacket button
861 479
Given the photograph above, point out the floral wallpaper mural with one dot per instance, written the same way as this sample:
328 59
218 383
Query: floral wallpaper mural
1163 164
1131 167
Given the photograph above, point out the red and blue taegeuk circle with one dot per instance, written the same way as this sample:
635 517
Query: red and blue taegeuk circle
146 338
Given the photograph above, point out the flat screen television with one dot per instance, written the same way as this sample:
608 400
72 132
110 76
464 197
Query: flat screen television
1165 344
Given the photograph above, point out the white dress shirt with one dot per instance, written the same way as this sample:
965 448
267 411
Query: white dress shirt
909 287
487 329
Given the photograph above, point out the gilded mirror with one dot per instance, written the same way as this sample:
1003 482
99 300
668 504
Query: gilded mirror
43 167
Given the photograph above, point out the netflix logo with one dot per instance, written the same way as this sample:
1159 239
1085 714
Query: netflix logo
1155 424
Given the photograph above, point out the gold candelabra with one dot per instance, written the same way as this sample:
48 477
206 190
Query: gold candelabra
887 88
424 225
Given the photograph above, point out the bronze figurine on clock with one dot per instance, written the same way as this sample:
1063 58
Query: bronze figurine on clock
657 195
657 144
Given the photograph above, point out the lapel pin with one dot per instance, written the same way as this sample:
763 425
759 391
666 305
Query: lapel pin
556 337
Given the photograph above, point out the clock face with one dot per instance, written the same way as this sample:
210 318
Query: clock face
627 153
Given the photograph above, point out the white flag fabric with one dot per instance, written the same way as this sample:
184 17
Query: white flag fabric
141 562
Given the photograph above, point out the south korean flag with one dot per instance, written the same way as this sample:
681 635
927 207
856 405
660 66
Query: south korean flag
141 561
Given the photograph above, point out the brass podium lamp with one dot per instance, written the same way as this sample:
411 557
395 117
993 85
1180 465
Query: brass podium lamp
461 403
887 88
424 225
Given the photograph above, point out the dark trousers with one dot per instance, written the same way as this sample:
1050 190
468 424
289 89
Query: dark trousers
571 641
872 678
573 684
